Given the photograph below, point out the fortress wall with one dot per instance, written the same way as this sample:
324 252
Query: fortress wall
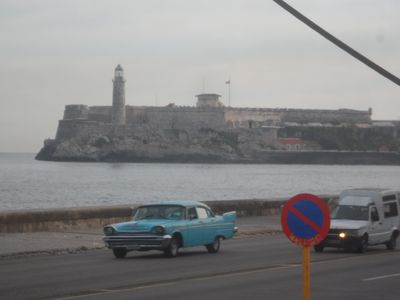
100 114
194 117
326 116
92 113
75 112
354 138
176 117
68 129
241 117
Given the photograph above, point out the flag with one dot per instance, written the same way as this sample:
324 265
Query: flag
228 82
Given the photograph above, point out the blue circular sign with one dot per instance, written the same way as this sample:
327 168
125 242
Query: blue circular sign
305 219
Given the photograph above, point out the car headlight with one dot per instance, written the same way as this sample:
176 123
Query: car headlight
108 230
346 233
158 230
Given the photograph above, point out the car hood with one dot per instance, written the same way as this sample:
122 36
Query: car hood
347 224
142 225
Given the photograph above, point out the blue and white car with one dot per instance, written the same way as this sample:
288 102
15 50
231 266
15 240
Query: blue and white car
169 226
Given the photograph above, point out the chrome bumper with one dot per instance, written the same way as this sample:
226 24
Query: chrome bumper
137 242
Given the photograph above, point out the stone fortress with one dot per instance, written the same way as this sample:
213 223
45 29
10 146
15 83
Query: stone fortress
209 129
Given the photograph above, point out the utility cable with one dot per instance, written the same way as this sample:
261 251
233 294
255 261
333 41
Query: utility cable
338 42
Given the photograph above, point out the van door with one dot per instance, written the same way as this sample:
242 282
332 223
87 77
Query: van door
376 231
391 216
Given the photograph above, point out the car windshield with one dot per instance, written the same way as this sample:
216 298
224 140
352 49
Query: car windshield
170 212
350 212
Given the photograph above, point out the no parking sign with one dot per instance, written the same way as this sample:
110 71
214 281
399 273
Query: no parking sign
305 220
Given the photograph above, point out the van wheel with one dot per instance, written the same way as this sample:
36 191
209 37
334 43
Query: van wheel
362 245
214 247
391 245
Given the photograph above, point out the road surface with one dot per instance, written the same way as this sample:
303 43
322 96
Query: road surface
261 267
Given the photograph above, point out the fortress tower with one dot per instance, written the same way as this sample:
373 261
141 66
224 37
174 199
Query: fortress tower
118 105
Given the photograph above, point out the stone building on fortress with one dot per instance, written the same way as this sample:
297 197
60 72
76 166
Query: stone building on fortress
211 132
209 112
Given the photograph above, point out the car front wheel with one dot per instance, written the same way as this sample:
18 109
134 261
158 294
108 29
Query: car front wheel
120 252
214 246
173 248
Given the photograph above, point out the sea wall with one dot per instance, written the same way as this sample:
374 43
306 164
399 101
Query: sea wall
69 219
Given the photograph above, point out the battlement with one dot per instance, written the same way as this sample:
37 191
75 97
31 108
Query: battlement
76 112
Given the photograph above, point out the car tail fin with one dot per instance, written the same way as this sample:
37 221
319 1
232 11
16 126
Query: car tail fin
230 216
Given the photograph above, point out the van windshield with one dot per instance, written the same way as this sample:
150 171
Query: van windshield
350 212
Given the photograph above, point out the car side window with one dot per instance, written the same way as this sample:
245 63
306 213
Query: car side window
202 212
210 213
192 213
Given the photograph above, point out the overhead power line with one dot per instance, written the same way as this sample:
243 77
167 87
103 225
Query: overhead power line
338 42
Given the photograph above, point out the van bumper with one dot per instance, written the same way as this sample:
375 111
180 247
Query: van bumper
336 242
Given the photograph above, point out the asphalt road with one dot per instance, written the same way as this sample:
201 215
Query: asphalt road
263 267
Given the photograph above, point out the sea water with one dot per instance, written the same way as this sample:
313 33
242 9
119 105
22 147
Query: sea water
26 183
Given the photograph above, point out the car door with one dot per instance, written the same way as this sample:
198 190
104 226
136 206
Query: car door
193 231
208 223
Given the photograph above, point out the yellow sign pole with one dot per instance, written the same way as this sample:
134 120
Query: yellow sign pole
306 273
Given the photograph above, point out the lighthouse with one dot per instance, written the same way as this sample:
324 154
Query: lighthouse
118 104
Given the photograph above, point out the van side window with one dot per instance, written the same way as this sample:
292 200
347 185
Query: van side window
388 198
390 210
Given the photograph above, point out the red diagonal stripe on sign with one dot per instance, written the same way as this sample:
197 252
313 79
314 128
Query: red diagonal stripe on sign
305 219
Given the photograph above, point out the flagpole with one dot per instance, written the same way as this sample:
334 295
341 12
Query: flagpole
229 91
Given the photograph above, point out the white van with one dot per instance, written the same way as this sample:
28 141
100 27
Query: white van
364 217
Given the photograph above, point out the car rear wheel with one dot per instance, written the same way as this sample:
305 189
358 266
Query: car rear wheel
120 252
173 248
391 245
214 246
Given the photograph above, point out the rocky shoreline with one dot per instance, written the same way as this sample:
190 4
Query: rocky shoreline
76 153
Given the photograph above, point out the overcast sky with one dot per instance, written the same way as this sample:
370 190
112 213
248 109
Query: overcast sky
58 52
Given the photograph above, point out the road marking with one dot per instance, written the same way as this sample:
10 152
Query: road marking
245 272
381 277
111 291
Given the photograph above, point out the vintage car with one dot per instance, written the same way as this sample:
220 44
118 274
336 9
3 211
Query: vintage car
168 226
